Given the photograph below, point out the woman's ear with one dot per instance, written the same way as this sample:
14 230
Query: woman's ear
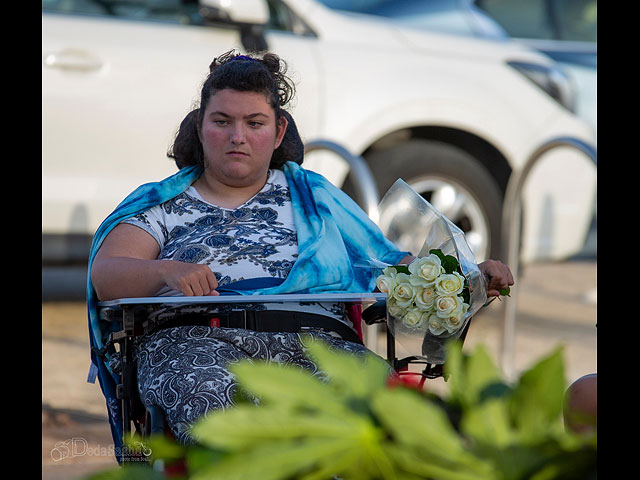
281 129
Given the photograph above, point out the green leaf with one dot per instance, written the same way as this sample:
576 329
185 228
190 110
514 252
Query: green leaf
449 262
286 385
472 378
515 461
316 452
454 370
366 459
347 464
425 466
477 386
245 426
278 461
128 472
489 423
416 422
481 374
402 269
199 457
163 448
537 399
466 294
438 253
350 375
581 464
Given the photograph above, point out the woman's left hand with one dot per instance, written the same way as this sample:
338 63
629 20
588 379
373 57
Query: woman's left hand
498 276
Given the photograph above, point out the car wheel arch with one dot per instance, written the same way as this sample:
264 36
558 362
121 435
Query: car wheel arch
490 156
475 149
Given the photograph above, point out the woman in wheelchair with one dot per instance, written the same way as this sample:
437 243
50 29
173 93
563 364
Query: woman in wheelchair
240 216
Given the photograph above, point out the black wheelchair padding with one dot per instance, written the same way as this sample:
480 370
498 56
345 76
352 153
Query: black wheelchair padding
262 321
376 313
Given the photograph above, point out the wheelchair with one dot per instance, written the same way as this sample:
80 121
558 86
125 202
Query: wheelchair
128 318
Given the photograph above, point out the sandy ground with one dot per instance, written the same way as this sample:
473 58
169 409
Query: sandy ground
556 305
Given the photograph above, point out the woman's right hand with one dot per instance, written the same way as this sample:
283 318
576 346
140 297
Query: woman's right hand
192 279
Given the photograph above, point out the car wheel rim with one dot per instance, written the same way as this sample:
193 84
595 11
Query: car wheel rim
460 206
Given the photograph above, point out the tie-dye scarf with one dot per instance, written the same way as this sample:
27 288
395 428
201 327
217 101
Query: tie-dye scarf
334 235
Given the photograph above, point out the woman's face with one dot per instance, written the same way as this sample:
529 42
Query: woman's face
239 133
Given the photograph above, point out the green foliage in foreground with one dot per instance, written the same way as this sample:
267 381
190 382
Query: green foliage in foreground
358 426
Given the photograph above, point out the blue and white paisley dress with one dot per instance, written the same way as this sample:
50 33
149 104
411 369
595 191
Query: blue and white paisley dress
256 239
184 370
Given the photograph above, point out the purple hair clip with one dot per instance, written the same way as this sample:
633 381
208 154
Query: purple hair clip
217 61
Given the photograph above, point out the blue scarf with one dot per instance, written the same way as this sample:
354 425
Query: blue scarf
334 235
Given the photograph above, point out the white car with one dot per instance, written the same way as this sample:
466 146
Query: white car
564 31
453 117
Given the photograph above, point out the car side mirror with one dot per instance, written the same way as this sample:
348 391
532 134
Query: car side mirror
250 16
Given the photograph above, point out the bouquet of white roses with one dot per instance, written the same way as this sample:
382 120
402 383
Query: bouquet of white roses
430 294
433 298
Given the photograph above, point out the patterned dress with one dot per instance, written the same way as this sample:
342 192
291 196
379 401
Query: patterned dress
184 370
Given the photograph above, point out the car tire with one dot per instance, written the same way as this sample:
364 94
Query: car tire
443 173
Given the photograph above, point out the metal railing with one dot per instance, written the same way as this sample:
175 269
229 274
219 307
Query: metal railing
365 186
367 195
511 223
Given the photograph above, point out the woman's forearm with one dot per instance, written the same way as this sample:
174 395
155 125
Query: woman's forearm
125 277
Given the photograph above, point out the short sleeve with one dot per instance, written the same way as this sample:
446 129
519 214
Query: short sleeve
152 222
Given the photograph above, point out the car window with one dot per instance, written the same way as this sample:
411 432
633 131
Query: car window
282 18
577 20
171 11
520 18
574 20
446 16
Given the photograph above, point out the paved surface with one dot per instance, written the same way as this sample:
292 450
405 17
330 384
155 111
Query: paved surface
556 305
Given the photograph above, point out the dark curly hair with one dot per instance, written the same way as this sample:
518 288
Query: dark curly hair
266 75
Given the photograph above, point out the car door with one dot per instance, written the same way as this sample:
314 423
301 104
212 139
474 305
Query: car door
116 82
114 91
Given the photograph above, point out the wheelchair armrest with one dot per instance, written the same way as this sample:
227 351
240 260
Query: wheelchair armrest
376 313
110 314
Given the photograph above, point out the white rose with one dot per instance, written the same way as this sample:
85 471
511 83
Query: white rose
425 297
394 309
454 322
415 319
385 283
425 270
404 292
449 284
434 323
447 306
389 271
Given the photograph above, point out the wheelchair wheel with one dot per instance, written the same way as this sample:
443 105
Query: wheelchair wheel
154 422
